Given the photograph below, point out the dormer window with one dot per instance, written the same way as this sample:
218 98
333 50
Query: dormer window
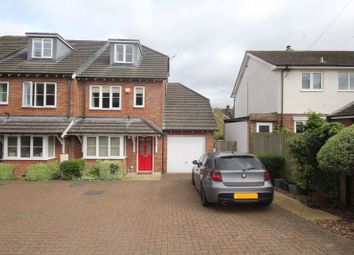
123 53
42 48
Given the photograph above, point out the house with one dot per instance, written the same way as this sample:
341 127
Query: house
344 115
274 90
71 99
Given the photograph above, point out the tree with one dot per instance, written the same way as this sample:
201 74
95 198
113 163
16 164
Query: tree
219 118
305 147
337 155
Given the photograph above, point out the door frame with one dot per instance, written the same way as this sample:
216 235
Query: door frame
152 154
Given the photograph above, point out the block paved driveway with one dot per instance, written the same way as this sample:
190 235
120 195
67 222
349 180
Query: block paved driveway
147 217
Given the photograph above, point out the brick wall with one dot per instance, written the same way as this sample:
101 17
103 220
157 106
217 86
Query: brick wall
345 122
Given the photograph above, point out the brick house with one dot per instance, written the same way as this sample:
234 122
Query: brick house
344 115
69 99
275 89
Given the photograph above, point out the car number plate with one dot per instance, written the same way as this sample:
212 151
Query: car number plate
244 195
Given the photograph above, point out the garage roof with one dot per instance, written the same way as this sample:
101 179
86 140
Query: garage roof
185 109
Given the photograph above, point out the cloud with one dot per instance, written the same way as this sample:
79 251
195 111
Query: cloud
207 38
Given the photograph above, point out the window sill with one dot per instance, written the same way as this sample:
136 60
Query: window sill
346 91
137 106
4 103
311 90
40 107
28 159
107 158
106 109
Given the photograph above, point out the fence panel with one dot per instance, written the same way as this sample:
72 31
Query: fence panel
221 145
276 143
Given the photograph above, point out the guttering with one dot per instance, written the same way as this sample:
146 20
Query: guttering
315 67
282 96
341 117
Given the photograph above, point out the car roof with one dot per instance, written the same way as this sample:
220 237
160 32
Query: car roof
229 153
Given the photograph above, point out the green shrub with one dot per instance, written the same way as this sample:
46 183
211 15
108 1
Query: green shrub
337 155
273 163
6 172
71 169
41 172
305 147
107 170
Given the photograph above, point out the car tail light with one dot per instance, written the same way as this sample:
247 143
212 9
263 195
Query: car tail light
266 175
216 175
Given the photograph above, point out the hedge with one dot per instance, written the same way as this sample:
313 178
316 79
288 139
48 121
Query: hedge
41 172
272 162
72 169
6 172
105 170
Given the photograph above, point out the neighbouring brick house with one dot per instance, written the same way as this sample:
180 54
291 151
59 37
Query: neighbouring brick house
69 99
275 89
344 115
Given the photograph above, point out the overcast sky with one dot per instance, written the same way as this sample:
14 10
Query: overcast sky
205 40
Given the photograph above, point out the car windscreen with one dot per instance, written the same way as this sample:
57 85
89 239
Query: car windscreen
237 163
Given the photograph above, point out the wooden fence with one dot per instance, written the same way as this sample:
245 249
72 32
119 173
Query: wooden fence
221 145
275 143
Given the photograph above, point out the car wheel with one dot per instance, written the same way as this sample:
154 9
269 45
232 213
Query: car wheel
203 198
193 181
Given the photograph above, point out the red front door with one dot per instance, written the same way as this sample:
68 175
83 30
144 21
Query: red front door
145 154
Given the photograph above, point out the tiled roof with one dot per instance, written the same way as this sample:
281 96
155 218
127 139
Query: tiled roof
185 109
347 110
306 58
33 125
113 126
89 58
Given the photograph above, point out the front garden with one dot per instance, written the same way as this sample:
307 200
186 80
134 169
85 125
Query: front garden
68 170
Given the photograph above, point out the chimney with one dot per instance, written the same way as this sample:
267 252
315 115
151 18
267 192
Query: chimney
288 48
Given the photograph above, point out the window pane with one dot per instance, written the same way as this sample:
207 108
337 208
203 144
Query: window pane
12 146
343 80
50 89
317 81
47 48
39 94
37 48
103 146
37 146
119 52
25 146
299 126
3 92
351 87
115 146
306 81
105 97
91 146
50 100
51 146
129 53
95 95
139 96
264 129
27 94
139 100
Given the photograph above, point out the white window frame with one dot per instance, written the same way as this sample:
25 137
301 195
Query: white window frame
124 54
33 104
269 124
121 147
299 119
42 47
110 97
311 82
18 157
135 105
348 88
7 89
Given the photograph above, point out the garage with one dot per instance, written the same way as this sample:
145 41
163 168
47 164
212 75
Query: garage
182 150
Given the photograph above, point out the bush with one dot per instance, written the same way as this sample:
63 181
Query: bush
71 169
337 155
6 172
305 147
107 170
41 172
273 163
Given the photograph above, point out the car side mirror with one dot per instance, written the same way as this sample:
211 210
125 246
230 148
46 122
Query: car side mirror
195 162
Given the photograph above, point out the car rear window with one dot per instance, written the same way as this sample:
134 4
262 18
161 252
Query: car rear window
237 163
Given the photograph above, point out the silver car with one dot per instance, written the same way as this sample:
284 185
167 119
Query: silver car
229 177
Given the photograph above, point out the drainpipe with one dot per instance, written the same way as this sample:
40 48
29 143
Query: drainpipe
163 150
69 98
84 100
282 99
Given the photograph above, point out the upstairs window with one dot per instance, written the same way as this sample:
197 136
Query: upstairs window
42 48
123 53
105 97
139 97
345 81
4 92
312 81
39 94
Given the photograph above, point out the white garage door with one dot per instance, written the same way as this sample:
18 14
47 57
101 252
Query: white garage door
182 150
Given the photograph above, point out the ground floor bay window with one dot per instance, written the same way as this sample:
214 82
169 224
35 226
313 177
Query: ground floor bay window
29 147
103 147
